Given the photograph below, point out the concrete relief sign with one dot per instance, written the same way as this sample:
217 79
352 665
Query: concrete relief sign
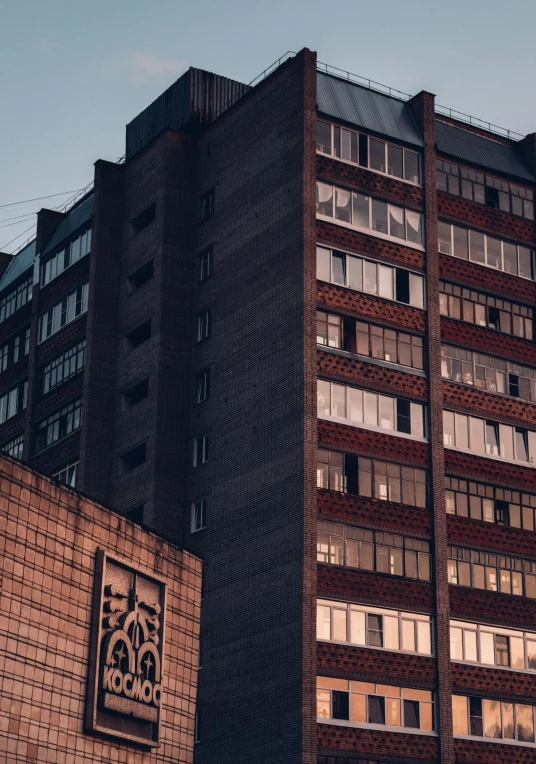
125 677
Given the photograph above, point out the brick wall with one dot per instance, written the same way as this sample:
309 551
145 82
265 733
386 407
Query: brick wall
48 539
375 665
371 443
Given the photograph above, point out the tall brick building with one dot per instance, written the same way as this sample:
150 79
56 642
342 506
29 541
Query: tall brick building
301 342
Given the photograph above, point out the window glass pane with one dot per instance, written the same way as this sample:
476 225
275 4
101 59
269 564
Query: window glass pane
416 290
492 718
355 404
376 710
343 205
324 397
338 264
392 712
390 633
494 258
461 248
394 161
417 420
477 250
524 723
338 400
456 645
448 428
414 226
323 622
345 144
359 708
424 638
476 435
379 216
525 268
521 450
396 222
459 715
510 257
444 235
376 155
369 277
385 275
323 137
357 628
506 437
386 413
487 648
408 635
371 408
517 653
508 721
462 434
323 704
411 166
355 273
470 643
339 624
360 210
324 199
323 264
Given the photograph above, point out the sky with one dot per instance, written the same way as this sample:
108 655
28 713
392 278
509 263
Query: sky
72 74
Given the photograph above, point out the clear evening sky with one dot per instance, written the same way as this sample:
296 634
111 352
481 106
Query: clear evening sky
73 73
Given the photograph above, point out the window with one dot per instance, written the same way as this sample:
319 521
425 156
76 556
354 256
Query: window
204 325
376 216
489 438
484 310
68 364
389 553
197 736
490 503
358 148
488 372
369 276
373 627
199 515
365 703
328 329
14 447
15 299
489 190
207 205
14 349
368 409
389 345
203 385
200 450
138 336
63 312
480 717
67 474
14 401
135 394
67 256
205 264
144 218
495 573
385 481
58 425
133 458
140 276
486 250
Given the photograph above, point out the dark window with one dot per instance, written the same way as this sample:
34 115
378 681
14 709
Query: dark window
402 286
135 394
138 336
411 714
203 385
145 217
513 385
58 425
197 728
207 205
501 512
205 265
376 709
340 704
494 318
62 368
133 458
363 150
199 515
200 450
204 325
403 415
492 197
136 513
141 276
475 716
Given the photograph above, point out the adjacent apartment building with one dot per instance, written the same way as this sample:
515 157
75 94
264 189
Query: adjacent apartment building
294 331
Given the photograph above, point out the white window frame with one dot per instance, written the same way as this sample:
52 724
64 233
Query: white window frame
198 509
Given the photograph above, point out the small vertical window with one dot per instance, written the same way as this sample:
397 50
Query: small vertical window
197 737
205 265
203 385
200 450
207 205
204 325
199 515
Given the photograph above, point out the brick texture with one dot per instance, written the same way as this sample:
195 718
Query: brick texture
487 470
369 443
391 746
492 607
493 683
481 403
48 539
485 279
375 665
495 222
488 341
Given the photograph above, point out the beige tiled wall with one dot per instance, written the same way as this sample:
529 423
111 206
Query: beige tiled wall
48 539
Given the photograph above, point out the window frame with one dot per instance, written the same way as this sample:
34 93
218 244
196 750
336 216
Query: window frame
199 509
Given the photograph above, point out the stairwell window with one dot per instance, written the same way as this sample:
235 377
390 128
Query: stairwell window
207 205
369 276
204 325
200 450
